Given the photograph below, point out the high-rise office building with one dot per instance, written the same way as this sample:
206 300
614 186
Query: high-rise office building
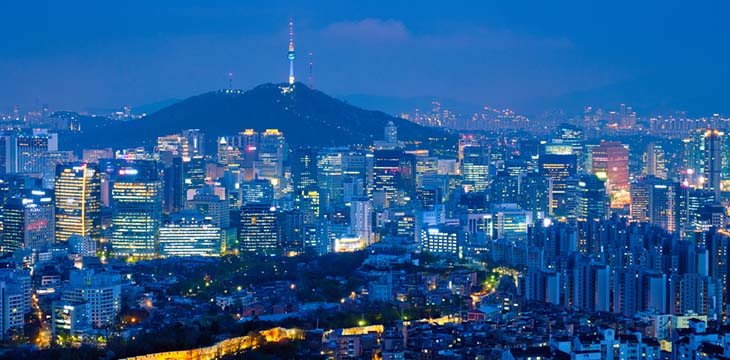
329 175
390 138
258 231
190 234
196 141
713 143
695 158
257 192
559 168
206 203
193 176
136 210
655 200
655 163
272 150
589 196
176 145
28 221
611 161
504 189
475 167
510 222
573 137
26 152
77 195
386 173
361 222
536 193
303 168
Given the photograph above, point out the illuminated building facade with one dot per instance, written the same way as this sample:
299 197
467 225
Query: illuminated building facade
511 223
190 234
475 167
28 221
258 231
559 168
211 205
655 200
442 240
329 175
77 194
611 161
589 198
137 210
386 173
102 291
272 152
361 222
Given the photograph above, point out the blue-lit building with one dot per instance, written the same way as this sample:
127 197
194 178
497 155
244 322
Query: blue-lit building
258 230
28 221
137 210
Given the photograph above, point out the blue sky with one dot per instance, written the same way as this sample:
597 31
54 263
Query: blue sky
83 54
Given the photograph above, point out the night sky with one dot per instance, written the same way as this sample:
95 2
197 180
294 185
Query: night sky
102 54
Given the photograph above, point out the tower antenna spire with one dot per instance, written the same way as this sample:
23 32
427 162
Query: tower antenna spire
311 74
291 54
230 81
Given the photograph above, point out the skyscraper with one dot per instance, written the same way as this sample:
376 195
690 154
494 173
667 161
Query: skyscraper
258 231
713 141
137 210
559 168
655 200
386 173
572 136
272 152
257 192
361 219
654 161
26 152
78 200
28 221
589 194
475 167
611 161
303 169
193 176
329 175
196 141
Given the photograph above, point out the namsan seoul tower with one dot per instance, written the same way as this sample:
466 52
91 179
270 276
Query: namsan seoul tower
291 51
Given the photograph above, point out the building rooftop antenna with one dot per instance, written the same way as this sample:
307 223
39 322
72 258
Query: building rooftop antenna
311 74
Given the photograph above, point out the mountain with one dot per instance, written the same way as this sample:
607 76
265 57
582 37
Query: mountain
307 117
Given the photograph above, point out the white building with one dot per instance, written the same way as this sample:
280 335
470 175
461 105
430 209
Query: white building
101 291
361 222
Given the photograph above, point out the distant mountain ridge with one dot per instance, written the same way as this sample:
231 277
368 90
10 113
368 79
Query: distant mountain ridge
307 117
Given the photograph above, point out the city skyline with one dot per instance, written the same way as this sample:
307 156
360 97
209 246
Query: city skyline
543 181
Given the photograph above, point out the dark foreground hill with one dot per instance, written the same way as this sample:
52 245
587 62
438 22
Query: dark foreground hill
307 117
